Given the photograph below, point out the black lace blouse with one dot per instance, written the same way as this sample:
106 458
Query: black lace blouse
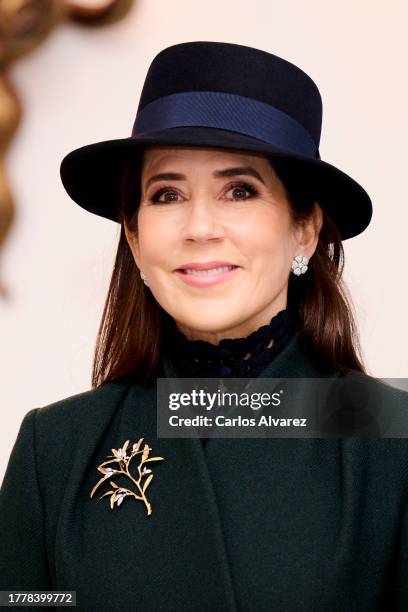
232 357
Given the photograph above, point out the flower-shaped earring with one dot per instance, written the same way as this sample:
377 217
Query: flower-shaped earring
299 265
142 274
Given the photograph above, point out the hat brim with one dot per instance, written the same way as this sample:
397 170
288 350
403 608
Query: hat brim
91 174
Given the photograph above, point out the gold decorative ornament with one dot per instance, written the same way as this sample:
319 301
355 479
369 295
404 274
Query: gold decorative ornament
24 26
123 460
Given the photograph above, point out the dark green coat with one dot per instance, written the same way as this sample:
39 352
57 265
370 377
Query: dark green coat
245 524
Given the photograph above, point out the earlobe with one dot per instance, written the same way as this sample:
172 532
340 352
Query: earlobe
318 218
310 230
316 225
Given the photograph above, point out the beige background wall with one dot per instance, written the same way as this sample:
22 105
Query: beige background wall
82 86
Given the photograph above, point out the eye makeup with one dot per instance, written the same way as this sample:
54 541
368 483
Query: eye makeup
154 199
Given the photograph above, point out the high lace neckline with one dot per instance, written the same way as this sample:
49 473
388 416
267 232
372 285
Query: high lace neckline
232 357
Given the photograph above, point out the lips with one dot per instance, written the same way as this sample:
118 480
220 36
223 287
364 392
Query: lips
202 275
207 272
209 267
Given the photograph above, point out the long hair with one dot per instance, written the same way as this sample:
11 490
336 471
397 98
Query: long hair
129 335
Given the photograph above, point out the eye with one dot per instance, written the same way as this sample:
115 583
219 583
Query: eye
242 187
164 190
237 186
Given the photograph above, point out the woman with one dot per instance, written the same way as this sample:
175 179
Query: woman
228 265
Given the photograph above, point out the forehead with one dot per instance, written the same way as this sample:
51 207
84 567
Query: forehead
157 156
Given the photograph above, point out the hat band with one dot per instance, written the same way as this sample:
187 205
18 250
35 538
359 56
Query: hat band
226 111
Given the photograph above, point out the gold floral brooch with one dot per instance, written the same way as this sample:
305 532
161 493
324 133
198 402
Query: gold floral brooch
123 460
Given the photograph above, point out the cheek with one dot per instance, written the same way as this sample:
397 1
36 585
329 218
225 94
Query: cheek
268 238
154 236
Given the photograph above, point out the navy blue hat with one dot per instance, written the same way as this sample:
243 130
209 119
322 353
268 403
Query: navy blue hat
215 94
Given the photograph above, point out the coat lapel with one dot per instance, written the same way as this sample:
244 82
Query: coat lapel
238 477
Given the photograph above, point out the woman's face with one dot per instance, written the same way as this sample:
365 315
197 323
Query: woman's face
201 205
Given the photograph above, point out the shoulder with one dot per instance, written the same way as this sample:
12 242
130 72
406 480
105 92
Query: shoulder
57 434
81 407
373 393
377 414
57 428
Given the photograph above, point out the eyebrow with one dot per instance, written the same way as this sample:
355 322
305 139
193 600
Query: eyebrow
238 171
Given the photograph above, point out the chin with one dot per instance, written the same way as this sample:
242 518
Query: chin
209 322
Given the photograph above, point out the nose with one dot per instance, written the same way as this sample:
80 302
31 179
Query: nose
202 221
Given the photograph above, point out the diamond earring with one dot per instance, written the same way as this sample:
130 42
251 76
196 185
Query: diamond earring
142 274
299 265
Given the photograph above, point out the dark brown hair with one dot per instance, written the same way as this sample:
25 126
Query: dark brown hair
129 335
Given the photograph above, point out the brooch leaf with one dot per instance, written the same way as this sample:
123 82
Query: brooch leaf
123 460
